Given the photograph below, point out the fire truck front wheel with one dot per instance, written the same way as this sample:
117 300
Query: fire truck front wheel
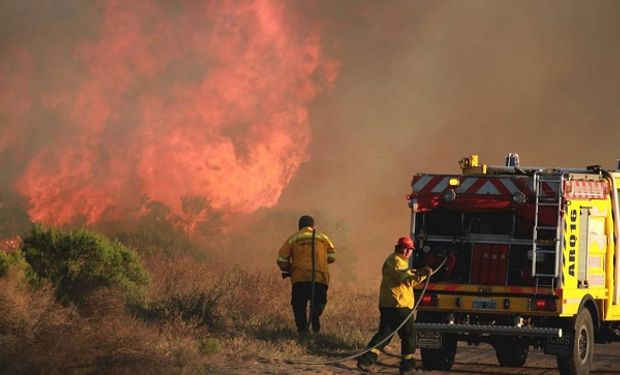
579 361
442 358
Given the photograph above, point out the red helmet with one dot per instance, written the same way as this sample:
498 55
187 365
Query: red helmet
405 243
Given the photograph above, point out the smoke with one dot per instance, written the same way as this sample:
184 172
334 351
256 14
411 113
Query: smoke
423 84
234 109
201 106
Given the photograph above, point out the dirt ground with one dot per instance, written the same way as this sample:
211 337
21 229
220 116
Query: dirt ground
470 360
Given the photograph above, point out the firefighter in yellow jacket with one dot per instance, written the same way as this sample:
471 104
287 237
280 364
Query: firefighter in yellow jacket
304 258
396 301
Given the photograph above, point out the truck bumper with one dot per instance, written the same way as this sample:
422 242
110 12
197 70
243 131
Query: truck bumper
489 329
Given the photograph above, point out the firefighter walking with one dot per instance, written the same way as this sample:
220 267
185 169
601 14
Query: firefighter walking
396 301
304 258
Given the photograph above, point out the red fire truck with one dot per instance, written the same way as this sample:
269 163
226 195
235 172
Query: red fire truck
529 259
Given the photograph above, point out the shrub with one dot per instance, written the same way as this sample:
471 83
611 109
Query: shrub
5 263
15 260
79 262
198 306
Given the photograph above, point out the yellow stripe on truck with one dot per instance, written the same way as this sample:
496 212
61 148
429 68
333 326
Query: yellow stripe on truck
461 303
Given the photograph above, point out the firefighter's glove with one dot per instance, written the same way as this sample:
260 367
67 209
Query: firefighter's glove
286 275
427 271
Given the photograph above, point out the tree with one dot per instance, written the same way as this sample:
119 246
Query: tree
79 262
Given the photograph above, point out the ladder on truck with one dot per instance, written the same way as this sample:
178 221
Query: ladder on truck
546 238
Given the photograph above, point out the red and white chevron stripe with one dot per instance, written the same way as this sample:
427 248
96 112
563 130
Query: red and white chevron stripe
501 186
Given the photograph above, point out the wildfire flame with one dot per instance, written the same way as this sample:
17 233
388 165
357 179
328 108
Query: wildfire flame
202 107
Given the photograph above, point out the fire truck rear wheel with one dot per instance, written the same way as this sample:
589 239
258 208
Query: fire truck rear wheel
511 351
579 361
442 358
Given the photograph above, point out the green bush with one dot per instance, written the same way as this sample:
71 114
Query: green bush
8 260
5 262
79 262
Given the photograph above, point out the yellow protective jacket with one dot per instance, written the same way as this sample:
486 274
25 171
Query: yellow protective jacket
398 282
295 256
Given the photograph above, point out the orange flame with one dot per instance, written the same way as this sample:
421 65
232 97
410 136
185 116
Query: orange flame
202 108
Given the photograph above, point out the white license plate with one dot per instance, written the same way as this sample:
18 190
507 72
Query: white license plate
429 340
484 304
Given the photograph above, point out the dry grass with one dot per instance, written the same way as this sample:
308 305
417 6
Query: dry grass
199 316
40 336
252 317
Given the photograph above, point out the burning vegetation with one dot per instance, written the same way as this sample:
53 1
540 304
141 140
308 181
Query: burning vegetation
203 109
177 134
157 125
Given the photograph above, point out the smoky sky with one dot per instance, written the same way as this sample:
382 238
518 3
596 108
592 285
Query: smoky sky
413 87
423 84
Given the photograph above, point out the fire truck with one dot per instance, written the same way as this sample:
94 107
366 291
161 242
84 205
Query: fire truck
526 257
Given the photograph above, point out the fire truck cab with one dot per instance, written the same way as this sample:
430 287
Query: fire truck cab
527 257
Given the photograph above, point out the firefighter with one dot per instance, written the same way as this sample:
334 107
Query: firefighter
395 304
304 258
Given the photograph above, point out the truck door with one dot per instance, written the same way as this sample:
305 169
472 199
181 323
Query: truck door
586 242
592 250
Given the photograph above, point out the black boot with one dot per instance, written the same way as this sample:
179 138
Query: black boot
303 334
366 362
407 366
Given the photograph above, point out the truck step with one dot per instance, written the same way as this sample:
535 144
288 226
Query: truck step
542 251
540 227
545 275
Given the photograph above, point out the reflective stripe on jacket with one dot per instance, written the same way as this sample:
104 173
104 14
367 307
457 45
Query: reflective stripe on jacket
295 256
398 282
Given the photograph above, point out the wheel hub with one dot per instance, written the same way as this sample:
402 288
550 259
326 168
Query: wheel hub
582 345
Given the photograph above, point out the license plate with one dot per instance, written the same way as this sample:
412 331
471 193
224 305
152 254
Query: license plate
429 340
484 304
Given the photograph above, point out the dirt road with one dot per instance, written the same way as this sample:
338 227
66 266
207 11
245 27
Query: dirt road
470 360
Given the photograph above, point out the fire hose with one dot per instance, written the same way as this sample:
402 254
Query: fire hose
355 355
